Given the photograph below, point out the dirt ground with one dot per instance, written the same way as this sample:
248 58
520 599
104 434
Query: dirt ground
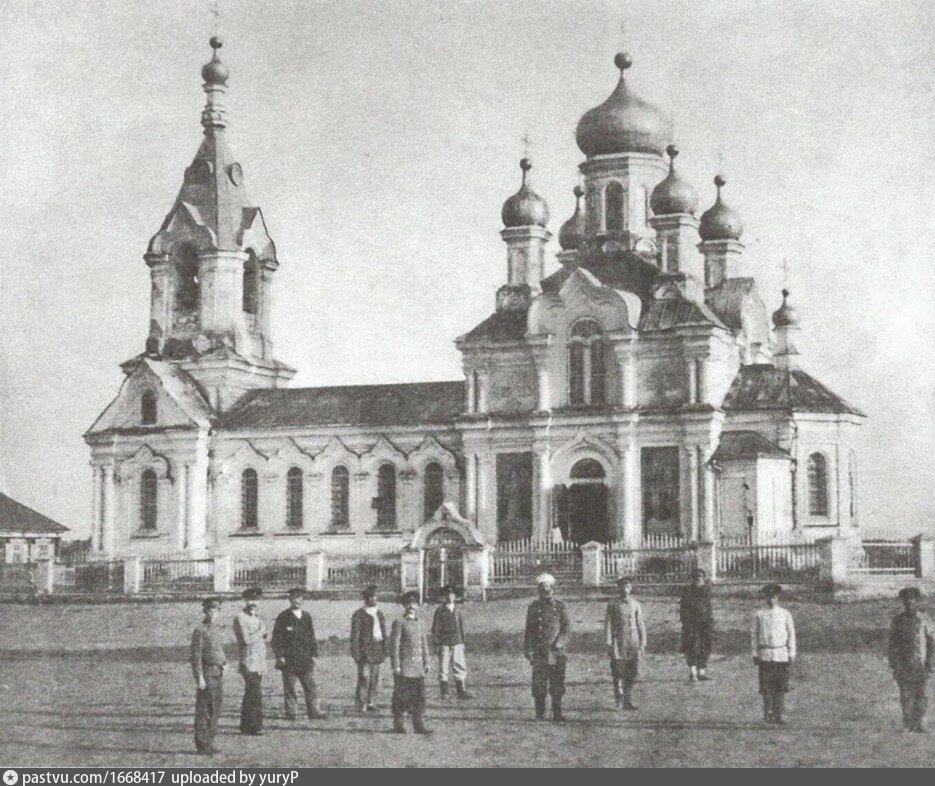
109 685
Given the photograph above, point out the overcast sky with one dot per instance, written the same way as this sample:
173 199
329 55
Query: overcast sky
380 140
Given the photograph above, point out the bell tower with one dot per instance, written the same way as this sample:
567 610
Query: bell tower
212 264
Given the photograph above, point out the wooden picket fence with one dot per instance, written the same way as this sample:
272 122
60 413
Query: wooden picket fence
270 574
518 562
356 571
648 565
788 562
883 558
104 577
178 575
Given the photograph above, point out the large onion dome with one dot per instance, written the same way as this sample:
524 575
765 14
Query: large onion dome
720 222
673 195
624 123
786 315
572 232
525 208
215 72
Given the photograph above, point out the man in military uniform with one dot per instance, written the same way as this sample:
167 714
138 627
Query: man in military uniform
207 658
911 657
547 630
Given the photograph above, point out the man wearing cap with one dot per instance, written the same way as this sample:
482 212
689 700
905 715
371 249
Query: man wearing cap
773 643
409 654
625 634
250 633
368 649
697 621
911 657
547 630
296 648
207 658
448 638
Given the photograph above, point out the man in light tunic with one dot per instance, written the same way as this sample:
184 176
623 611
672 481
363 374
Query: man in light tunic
250 632
773 643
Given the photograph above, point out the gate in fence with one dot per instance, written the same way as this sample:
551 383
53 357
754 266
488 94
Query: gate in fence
444 560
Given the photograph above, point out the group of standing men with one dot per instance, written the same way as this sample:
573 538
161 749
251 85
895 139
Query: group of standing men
773 641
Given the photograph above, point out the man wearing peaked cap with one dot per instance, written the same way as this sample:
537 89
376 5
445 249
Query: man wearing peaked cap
774 650
547 628
912 657
409 654
207 659
296 648
250 632
448 638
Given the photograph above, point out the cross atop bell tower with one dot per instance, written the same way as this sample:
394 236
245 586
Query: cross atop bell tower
212 264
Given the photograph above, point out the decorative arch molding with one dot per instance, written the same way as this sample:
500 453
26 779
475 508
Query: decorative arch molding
145 458
447 517
583 446
289 455
582 295
381 452
336 452
429 450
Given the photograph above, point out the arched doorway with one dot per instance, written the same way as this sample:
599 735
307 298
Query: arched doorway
583 513
444 560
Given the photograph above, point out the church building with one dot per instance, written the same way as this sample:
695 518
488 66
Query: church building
640 391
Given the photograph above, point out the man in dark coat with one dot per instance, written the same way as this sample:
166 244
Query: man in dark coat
911 657
368 649
697 626
295 647
547 629
208 661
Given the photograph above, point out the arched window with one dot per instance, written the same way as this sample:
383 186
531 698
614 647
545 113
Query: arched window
614 201
587 365
386 497
249 491
149 506
340 498
251 286
434 493
294 497
148 409
587 469
817 485
186 279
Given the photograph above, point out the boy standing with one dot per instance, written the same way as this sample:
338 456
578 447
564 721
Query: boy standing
250 633
625 634
368 649
409 654
773 642
207 658
697 626
911 657
448 638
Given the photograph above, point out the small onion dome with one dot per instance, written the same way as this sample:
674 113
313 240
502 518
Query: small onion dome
572 232
720 222
673 195
525 208
215 72
786 315
624 123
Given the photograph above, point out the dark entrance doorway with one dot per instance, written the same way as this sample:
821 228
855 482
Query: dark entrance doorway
444 560
582 506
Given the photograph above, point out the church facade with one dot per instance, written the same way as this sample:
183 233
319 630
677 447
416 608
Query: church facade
639 391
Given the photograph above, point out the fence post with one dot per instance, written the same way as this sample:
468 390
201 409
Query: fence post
315 571
132 575
45 576
591 564
223 573
833 567
706 558
923 556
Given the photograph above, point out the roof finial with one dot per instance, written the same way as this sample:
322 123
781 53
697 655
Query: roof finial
525 164
719 182
672 151
623 61
215 75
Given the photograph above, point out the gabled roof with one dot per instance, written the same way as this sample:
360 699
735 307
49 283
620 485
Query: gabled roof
509 325
623 270
16 517
741 445
410 404
764 387
670 313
